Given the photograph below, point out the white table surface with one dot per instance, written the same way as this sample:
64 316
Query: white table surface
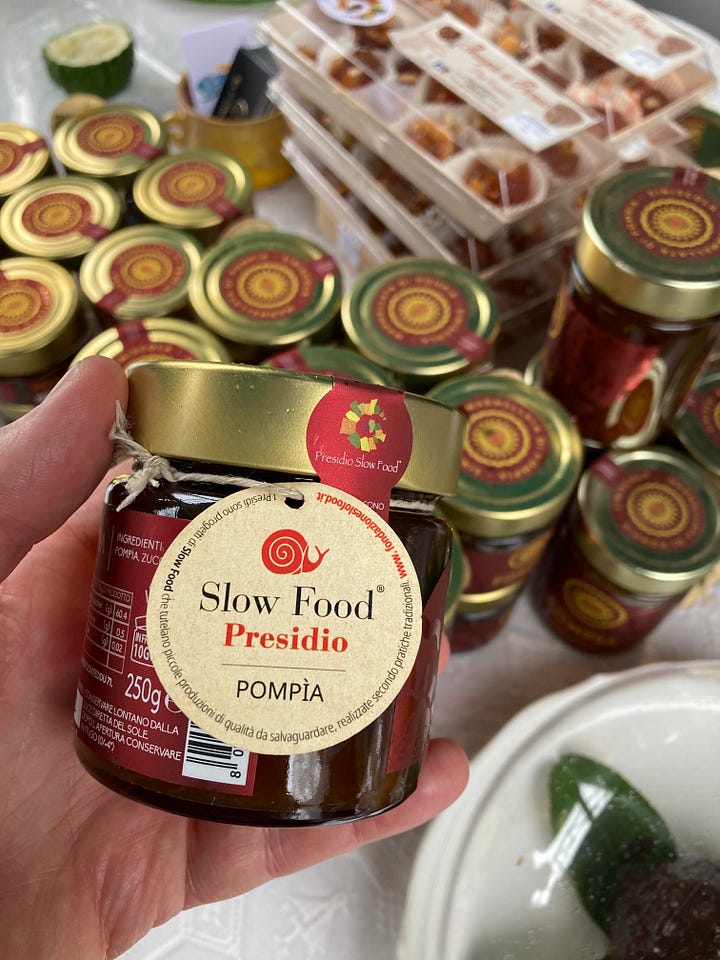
349 908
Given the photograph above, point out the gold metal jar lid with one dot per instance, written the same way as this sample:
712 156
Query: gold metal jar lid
473 603
522 455
421 317
140 271
39 318
155 338
648 520
24 156
271 289
193 190
59 218
650 241
254 417
109 142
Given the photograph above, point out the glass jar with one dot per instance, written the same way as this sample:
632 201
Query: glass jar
138 272
41 327
480 617
157 338
522 457
111 143
261 292
697 422
643 529
198 191
270 426
422 319
639 313
24 157
59 218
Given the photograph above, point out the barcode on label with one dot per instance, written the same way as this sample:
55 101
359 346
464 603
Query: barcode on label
207 758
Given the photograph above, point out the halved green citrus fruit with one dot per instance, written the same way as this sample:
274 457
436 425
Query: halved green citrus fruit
93 58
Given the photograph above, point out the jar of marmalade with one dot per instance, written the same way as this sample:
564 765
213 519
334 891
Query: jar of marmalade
644 528
640 310
59 218
261 292
41 327
24 157
198 191
111 143
141 271
327 715
521 459
697 422
422 319
480 617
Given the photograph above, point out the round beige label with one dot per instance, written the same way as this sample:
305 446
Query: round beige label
283 629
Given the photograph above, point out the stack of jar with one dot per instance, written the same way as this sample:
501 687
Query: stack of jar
627 355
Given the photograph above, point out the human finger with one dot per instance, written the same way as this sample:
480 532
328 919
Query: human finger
53 458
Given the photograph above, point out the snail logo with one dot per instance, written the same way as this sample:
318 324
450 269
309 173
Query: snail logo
287 551
362 424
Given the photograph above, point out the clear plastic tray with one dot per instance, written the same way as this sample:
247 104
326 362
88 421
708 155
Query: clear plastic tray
383 90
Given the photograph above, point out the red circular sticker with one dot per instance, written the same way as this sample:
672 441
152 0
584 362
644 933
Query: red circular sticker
658 510
111 135
505 441
268 285
24 304
420 310
192 184
147 270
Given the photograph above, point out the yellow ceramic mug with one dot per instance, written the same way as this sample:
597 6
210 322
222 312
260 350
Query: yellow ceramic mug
256 142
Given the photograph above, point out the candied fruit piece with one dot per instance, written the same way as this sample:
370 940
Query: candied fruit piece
504 188
435 138
562 158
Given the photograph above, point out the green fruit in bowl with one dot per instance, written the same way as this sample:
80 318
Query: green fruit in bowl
93 58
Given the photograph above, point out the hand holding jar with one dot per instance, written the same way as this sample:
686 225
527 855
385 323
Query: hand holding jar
105 869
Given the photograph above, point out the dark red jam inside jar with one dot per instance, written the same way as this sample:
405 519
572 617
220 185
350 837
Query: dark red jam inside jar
640 311
481 617
642 531
163 758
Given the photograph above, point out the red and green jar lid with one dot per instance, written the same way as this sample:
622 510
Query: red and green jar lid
330 361
650 241
522 455
268 289
421 318
648 520
24 157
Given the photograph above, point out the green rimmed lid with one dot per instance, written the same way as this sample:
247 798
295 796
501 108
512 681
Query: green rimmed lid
268 288
193 189
24 156
332 362
421 317
648 520
522 455
650 241
697 423
475 603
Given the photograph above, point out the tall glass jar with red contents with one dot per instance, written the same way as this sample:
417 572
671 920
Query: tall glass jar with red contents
640 311
308 609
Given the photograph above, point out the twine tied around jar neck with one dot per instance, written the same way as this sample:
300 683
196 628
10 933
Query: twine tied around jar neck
149 469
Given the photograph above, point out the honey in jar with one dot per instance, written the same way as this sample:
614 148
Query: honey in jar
276 645
639 312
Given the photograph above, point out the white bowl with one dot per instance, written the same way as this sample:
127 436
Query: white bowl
487 883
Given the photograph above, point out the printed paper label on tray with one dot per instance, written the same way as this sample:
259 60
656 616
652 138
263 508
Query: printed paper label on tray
494 83
623 31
